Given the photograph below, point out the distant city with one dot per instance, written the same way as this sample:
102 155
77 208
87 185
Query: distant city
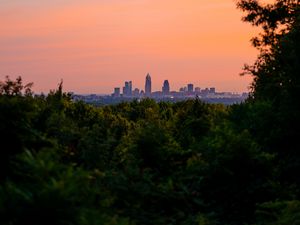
187 92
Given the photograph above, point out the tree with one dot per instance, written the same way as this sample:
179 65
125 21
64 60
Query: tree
11 88
276 84
276 19
50 192
276 71
16 114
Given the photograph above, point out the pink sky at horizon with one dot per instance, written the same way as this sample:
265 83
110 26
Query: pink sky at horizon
95 46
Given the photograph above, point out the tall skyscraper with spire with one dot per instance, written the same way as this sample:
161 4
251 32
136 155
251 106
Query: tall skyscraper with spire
166 88
148 85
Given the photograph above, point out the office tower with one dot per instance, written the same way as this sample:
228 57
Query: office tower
212 90
127 90
124 91
197 90
190 88
166 87
116 92
205 91
136 92
130 88
148 85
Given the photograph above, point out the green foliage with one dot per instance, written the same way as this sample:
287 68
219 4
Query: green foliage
142 162
276 83
236 174
192 122
279 213
16 126
53 193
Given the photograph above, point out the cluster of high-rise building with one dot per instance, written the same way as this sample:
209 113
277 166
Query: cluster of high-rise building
197 90
165 92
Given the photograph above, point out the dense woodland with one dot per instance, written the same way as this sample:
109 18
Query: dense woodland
190 163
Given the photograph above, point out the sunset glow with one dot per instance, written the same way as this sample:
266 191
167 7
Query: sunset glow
97 45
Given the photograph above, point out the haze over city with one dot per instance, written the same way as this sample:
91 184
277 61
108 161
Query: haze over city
96 45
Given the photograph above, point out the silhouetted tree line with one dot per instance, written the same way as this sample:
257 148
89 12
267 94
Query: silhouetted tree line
64 162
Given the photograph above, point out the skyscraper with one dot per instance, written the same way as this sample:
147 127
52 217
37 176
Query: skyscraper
130 88
190 88
116 92
136 92
148 85
166 87
197 90
127 90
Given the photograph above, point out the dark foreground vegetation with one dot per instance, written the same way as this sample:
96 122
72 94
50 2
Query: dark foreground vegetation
68 163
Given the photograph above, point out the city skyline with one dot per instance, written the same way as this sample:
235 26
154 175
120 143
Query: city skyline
189 91
129 90
95 45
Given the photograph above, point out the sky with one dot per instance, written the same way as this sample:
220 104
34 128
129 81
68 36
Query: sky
96 45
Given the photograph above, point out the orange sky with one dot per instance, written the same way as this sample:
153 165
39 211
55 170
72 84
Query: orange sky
95 45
